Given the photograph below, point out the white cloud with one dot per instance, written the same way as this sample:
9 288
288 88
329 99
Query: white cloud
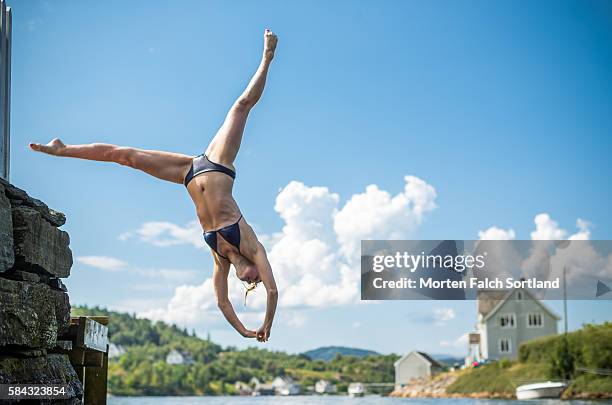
114 264
194 304
315 256
165 273
102 262
461 341
495 233
375 214
584 232
546 229
296 320
136 305
584 263
443 315
437 316
164 234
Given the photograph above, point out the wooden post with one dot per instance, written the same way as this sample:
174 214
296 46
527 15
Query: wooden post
89 355
95 383
77 358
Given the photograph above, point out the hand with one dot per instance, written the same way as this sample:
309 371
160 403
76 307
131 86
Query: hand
263 334
249 333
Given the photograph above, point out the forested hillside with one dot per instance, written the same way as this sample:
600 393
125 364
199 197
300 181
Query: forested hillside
142 369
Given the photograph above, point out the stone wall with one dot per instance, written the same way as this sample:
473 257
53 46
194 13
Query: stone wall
34 305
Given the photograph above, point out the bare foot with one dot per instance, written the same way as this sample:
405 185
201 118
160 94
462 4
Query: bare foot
270 41
55 147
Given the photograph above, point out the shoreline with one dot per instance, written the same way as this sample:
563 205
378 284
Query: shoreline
436 388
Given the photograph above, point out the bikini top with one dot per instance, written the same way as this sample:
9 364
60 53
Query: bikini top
201 164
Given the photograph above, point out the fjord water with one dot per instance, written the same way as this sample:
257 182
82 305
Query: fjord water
325 400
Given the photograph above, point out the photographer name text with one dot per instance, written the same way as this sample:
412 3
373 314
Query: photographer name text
473 282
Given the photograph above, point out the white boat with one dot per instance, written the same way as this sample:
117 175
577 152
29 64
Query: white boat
356 389
549 389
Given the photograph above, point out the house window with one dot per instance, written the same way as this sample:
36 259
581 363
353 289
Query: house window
505 346
507 321
535 320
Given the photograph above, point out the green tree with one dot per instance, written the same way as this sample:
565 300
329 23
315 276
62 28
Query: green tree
562 364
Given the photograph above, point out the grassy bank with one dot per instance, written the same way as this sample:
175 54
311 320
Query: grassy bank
547 359
497 378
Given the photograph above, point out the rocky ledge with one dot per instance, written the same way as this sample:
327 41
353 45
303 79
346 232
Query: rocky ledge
435 387
34 304
426 387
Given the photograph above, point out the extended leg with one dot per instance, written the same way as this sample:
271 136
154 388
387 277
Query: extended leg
224 146
163 165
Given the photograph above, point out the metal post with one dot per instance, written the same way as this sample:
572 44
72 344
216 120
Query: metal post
7 121
3 67
564 303
5 88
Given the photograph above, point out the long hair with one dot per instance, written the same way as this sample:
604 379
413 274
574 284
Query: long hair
249 287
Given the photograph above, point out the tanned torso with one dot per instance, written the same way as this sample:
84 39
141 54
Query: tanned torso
215 207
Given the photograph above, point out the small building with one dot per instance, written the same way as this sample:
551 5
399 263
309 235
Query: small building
179 357
286 386
115 350
414 365
243 388
325 387
508 318
261 389
254 382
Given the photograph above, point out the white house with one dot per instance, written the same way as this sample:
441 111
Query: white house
507 318
414 365
115 350
325 387
260 388
286 386
179 357
243 388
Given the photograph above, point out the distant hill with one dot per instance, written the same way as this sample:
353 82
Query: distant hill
329 352
447 359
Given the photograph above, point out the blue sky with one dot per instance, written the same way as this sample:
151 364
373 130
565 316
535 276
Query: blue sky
504 108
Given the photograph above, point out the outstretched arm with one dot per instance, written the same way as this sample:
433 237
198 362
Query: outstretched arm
220 274
265 273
